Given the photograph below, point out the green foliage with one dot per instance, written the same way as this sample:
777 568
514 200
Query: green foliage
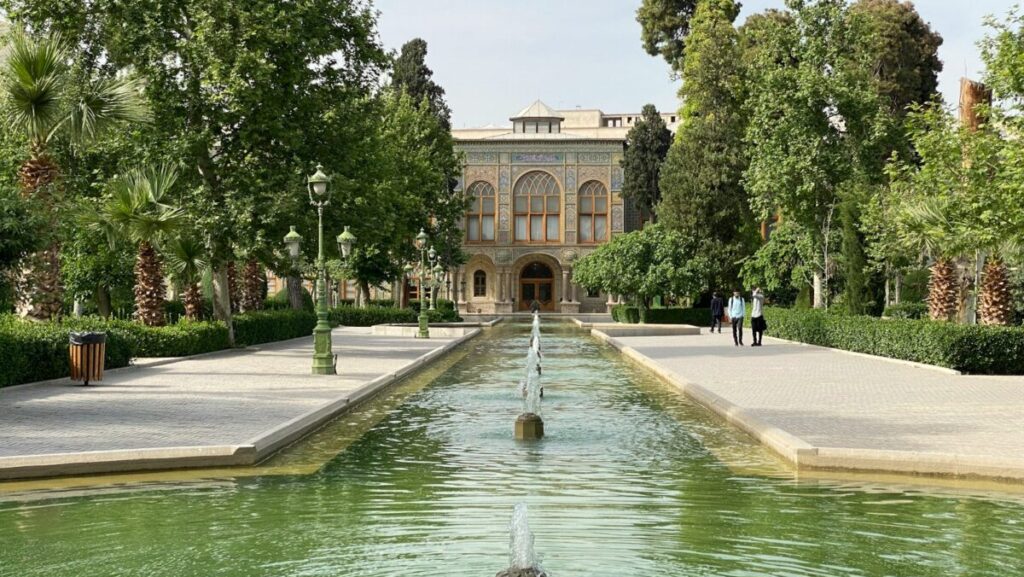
967 348
376 315
20 227
175 310
39 351
909 310
784 263
178 340
665 25
259 327
645 263
280 301
445 311
701 182
412 76
647 144
817 125
856 294
699 317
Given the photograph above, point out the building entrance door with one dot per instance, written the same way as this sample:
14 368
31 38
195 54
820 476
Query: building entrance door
537 283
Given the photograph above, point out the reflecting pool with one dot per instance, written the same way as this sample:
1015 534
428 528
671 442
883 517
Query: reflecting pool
631 479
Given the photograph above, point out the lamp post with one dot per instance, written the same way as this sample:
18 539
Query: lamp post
420 242
319 196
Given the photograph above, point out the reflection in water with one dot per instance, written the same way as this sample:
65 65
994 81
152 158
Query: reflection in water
631 479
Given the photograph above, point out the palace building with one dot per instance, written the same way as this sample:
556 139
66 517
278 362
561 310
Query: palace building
544 192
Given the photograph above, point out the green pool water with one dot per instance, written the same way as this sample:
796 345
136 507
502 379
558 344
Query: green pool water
631 480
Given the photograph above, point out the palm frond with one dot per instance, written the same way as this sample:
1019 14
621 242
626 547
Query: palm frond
108 102
34 78
927 226
186 258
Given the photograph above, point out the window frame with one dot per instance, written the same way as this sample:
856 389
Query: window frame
479 214
589 190
551 192
479 283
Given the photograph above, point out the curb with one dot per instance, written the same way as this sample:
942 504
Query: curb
251 452
805 456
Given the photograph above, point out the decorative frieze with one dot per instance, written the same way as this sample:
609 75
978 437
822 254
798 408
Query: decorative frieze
504 158
570 237
538 157
483 157
598 173
503 211
594 158
570 179
570 217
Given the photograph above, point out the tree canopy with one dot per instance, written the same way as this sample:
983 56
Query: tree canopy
664 26
647 144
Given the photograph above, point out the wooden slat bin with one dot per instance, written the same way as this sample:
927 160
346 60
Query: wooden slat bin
88 351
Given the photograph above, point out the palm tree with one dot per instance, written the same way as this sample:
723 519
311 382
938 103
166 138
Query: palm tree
41 99
186 259
927 227
136 211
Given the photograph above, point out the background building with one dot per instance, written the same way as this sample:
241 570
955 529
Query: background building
544 192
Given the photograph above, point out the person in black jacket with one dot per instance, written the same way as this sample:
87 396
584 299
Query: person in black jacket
717 310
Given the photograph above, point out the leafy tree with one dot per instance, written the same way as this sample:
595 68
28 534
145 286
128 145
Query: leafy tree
137 211
44 100
20 226
664 26
701 181
247 99
856 293
93 269
783 263
644 263
647 144
412 76
816 122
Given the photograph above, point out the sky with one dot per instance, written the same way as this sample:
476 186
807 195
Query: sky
495 57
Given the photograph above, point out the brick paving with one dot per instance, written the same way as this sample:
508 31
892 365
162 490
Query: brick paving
834 399
226 398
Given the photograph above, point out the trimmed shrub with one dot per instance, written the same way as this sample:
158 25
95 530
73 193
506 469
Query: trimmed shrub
39 351
967 348
280 300
906 311
444 313
179 340
626 314
375 315
679 316
260 327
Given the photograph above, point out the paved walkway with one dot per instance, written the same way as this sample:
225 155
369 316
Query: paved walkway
225 399
829 409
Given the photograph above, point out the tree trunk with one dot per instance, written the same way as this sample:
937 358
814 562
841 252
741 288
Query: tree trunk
39 294
364 292
996 301
943 291
149 287
103 301
887 300
294 285
222 300
899 288
193 298
819 302
252 286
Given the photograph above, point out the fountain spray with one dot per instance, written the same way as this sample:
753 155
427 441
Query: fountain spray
522 558
529 425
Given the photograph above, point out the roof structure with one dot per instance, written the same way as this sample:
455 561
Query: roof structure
538 110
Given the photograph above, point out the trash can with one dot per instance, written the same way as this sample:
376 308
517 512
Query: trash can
87 350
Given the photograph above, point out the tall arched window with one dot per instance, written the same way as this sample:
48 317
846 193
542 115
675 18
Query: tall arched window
480 216
537 203
593 221
479 284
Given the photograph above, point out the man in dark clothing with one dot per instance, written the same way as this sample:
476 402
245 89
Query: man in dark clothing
717 310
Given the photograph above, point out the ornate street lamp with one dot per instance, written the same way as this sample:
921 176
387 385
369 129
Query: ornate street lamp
320 196
420 242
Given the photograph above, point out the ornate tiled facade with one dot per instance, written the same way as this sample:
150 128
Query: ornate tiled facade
573 148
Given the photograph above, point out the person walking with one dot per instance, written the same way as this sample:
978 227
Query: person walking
717 310
737 310
757 322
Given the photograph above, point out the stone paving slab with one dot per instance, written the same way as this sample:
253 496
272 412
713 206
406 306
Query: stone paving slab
219 408
822 408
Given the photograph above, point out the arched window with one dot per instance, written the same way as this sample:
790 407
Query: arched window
537 207
593 221
479 284
480 216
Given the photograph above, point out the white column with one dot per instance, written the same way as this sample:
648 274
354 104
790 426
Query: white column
564 297
573 283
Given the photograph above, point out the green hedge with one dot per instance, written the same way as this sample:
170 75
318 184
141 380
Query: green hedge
268 326
966 348
377 315
906 311
39 351
700 317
